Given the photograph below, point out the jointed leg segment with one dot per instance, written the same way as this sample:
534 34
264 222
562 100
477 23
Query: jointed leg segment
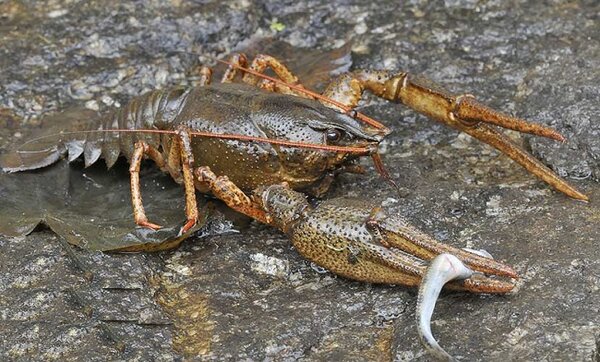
179 157
259 64
201 76
187 163
226 191
139 214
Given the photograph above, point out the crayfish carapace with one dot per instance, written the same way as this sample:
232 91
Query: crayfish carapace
255 145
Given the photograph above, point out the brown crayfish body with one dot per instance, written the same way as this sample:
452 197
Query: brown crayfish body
271 137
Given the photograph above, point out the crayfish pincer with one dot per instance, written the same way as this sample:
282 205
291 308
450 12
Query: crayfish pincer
361 241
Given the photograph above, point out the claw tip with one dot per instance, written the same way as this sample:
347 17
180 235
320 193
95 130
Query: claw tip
559 137
577 195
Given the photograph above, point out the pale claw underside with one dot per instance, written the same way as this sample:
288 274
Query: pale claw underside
443 268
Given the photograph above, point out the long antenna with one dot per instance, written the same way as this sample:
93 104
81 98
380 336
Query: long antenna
236 137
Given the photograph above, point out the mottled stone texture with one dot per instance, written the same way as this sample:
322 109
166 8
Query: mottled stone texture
250 296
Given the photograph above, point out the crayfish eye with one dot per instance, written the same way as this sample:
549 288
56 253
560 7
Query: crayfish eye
333 135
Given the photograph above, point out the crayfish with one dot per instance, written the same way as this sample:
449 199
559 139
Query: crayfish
256 145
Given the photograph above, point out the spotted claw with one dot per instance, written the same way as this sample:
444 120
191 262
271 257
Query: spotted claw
356 240
359 241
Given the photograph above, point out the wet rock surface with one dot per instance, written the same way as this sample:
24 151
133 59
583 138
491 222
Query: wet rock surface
249 295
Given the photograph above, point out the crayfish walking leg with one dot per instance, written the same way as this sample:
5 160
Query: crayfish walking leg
179 156
140 149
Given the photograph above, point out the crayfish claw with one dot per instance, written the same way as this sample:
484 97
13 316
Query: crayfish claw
395 232
469 111
487 134
353 239
462 112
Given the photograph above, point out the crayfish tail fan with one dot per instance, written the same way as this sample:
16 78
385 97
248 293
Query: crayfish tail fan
59 134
